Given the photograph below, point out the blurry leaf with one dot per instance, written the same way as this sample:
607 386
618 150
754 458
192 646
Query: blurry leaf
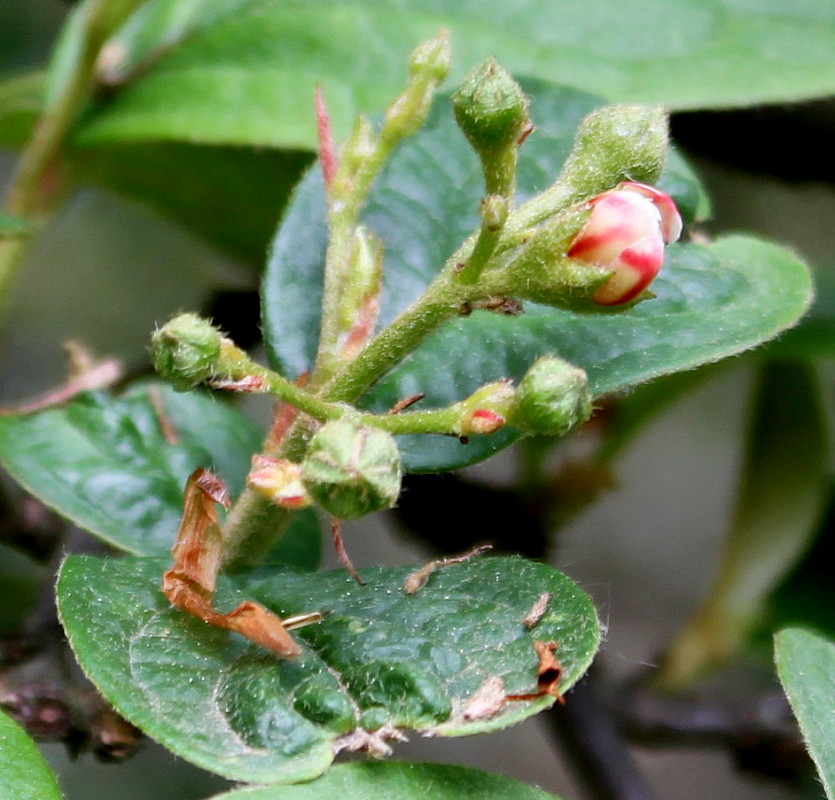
782 493
105 463
397 781
13 226
157 26
806 666
20 580
230 195
713 301
806 597
379 660
21 100
24 775
248 78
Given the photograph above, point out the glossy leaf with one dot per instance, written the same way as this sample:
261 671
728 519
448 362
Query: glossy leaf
379 659
397 781
806 666
248 78
24 775
712 301
106 464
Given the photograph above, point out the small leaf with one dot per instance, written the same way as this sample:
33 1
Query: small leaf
806 666
380 660
397 781
712 301
264 58
23 772
105 464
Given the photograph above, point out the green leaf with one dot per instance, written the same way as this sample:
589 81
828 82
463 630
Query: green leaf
105 463
21 100
713 301
806 666
232 196
248 78
397 781
380 659
23 772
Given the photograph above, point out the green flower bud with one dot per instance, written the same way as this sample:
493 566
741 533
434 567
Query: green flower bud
186 351
432 58
617 143
552 398
490 108
352 470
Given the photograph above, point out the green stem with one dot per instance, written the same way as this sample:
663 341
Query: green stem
30 194
441 301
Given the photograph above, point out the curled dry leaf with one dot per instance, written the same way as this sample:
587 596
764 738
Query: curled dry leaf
190 583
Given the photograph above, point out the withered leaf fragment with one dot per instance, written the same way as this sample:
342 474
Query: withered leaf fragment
190 583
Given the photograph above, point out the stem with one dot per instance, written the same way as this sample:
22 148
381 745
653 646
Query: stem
35 186
440 302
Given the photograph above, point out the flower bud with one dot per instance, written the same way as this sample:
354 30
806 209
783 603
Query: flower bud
485 410
551 398
279 481
494 211
352 470
186 351
490 108
617 143
626 233
428 66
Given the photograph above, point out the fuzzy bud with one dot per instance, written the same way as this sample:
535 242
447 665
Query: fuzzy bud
552 398
186 351
279 481
486 410
614 144
352 470
490 108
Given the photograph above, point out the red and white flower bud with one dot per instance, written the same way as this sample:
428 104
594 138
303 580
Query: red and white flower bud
626 233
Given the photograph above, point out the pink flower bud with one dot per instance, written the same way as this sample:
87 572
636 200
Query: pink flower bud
279 481
626 233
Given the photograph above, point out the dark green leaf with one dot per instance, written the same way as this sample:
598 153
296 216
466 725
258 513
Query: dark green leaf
106 464
23 772
380 659
806 666
713 300
230 195
397 781
249 77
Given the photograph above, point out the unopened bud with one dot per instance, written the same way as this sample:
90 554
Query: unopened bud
186 351
351 470
279 481
552 398
428 66
617 143
490 108
486 409
432 57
